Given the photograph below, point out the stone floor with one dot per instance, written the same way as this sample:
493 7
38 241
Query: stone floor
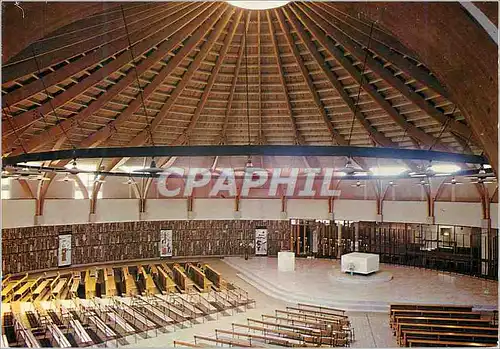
371 329
320 279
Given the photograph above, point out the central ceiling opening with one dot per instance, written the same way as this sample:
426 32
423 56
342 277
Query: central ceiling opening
258 5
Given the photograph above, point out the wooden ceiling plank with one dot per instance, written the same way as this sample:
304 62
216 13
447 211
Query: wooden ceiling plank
383 51
114 41
411 129
142 41
378 34
54 131
374 133
213 76
259 73
337 137
142 137
385 74
222 137
85 30
298 136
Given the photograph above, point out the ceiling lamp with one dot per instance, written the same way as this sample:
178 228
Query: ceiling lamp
151 169
357 185
258 5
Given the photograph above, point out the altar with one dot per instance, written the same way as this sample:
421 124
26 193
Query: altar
360 263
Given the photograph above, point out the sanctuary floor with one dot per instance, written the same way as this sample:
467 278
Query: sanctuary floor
320 281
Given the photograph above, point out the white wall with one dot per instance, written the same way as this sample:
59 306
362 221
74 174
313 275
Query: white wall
213 208
260 209
355 210
307 209
115 210
64 211
166 209
404 211
458 213
18 213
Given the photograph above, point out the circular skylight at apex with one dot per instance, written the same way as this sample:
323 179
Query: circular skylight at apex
258 5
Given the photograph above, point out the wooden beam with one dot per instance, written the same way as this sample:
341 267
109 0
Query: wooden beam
357 51
298 136
21 31
107 131
26 188
233 83
28 117
53 132
381 49
337 137
360 79
211 80
259 73
88 29
377 136
114 41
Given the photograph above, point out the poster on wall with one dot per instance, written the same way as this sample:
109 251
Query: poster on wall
261 242
166 243
64 251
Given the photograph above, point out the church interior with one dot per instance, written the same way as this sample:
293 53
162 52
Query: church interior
249 174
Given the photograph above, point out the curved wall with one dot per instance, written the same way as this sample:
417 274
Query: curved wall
21 213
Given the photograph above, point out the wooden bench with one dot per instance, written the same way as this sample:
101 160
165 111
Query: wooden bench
433 343
187 344
450 307
440 320
403 327
232 343
452 336
266 339
322 309
432 313
323 327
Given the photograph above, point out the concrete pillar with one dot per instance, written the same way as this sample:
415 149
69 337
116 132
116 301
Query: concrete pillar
38 220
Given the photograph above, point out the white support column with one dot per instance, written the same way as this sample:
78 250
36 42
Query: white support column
38 220
356 237
339 241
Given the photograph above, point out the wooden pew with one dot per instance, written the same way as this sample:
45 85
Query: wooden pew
323 327
267 339
130 286
431 343
403 327
75 283
150 284
290 334
109 280
200 281
449 336
4 343
23 291
187 344
325 310
233 343
434 313
166 278
181 279
441 320
332 321
449 307
90 283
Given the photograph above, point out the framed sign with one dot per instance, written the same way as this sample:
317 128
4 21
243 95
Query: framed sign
166 243
64 251
261 242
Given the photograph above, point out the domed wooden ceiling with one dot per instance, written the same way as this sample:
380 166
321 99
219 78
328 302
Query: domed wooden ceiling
179 73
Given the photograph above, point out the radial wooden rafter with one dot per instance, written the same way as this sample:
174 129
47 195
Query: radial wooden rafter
96 98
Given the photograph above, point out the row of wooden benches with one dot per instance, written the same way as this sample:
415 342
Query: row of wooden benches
304 325
442 325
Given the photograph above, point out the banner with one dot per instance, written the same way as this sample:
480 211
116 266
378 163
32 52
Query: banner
261 242
64 251
165 243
